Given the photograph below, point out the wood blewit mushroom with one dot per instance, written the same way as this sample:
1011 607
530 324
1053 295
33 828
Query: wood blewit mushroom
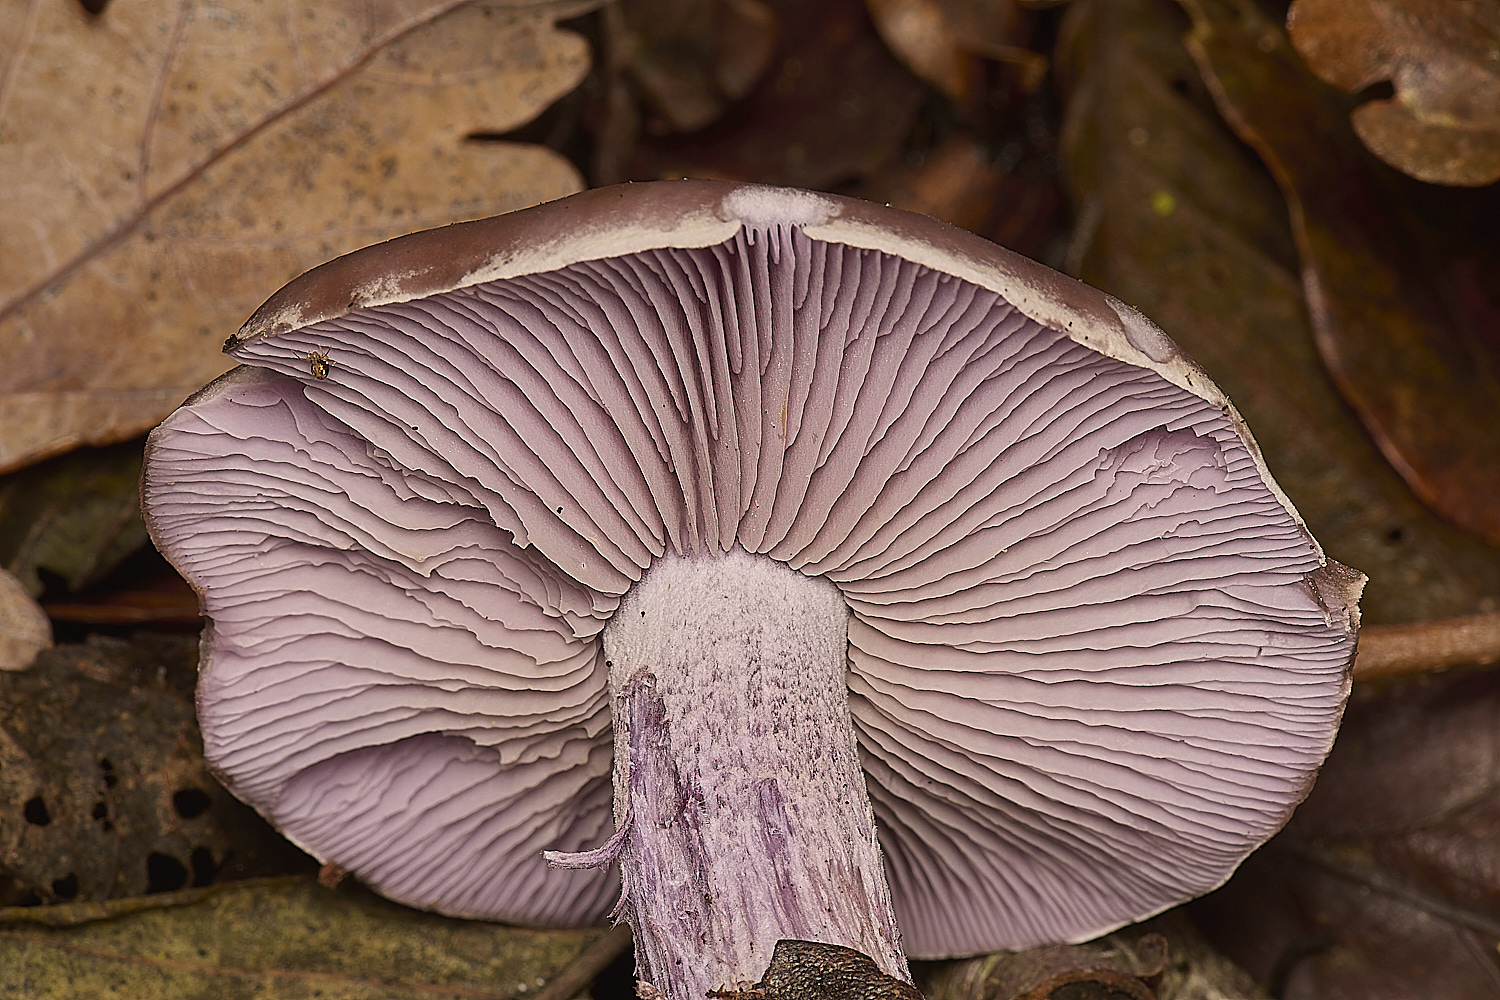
805 568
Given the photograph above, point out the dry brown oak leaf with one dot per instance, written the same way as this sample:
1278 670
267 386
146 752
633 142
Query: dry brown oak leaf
166 163
1443 123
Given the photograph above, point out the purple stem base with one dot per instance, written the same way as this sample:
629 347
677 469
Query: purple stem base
737 776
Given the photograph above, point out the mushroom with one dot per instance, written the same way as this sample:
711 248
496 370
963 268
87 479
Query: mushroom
789 566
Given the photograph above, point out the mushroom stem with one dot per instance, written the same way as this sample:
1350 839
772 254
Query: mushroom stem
737 774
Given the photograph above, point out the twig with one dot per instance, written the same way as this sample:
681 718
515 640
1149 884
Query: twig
593 960
1418 647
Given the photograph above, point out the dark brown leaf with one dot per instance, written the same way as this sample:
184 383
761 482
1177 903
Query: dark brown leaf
1166 958
103 788
1178 218
1387 882
1443 124
1383 286
1063 972
955 182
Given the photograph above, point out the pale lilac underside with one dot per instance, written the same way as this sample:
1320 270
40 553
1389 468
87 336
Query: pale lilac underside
1086 672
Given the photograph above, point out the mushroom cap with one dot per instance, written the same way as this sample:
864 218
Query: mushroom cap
1095 657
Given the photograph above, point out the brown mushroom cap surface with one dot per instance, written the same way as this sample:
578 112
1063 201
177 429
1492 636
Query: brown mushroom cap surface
1095 657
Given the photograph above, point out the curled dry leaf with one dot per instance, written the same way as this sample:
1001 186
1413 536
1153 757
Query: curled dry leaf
24 628
1399 284
1165 958
962 182
1110 967
165 166
955 182
1443 124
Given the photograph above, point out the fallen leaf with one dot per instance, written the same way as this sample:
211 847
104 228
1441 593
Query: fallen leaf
1443 124
1110 968
75 516
1386 884
283 938
955 182
24 628
1403 286
1195 969
1175 216
1165 958
103 789
168 164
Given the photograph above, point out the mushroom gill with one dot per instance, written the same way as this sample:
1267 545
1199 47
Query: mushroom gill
1093 655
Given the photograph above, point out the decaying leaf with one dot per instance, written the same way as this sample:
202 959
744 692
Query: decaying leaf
1443 124
1118 969
1386 884
1165 958
955 182
103 788
1403 289
283 938
24 628
168 164
1178 218
75 516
